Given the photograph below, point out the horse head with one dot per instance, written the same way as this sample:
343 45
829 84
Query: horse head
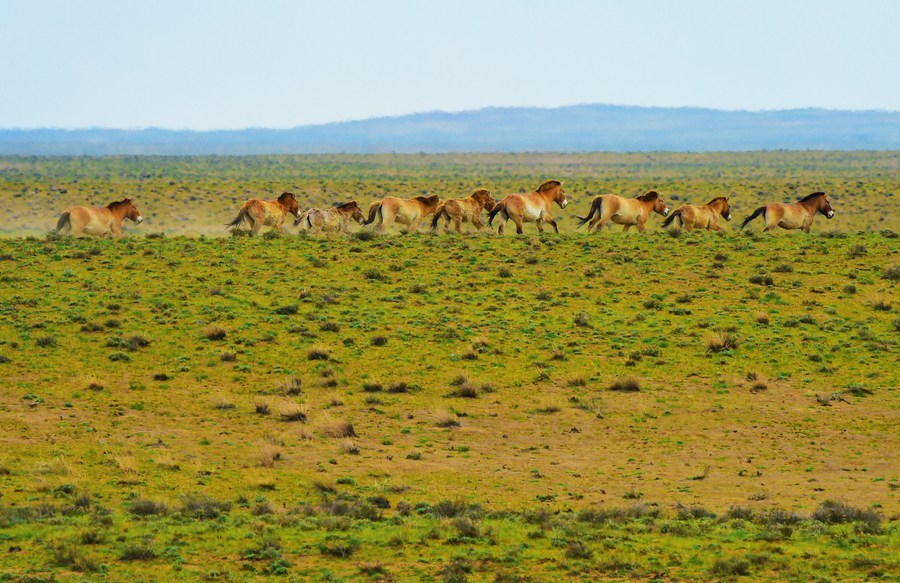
289 201
559 196
825 207
721 205
132 212
659 205
352 210
484 198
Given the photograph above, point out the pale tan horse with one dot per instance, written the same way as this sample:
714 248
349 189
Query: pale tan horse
461 210
530 208
798 215
405 211
627 212
98 221
271 213
702 217
333 220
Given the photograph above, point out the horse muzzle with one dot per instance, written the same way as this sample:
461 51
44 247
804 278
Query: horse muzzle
829 214
666 212
139 220
564 204
727 217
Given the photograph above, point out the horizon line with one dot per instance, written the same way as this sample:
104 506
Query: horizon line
440 111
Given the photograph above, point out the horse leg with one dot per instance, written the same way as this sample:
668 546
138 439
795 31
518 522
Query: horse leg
458 224
518 222
540 225
413 225
476 222
550 220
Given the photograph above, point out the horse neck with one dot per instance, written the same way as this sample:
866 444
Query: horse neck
119 211
812 205
549 196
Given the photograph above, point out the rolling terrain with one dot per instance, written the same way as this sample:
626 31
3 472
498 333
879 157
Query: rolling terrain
665 406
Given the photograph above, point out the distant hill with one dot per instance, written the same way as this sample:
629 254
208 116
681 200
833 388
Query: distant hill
580 128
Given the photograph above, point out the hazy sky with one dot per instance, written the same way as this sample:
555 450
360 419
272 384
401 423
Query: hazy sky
269 63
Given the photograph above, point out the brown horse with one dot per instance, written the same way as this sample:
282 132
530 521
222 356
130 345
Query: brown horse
406 211
333 220
798 215
530 208
98 221
266 212
702 217
623 211
460 210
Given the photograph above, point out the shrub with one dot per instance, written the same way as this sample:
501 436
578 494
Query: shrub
892 273
721 341
834 512
46 342
625 386
213 332
144 507
730 568
138 552
203 507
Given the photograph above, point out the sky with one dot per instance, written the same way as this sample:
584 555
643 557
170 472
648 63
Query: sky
229 64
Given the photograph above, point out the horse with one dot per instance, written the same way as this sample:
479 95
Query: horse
530 208
460 210
98 221
702 217
333 220
798 215
406 211
266 212
623 211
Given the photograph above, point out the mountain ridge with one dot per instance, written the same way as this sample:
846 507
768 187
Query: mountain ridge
574 128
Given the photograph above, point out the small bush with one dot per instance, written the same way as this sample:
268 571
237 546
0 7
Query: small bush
289 310
834 512
379 341
721 341
318 354
575 549
138 552
625 386
892 273
203 507
213 332
46 342
144 507
730 568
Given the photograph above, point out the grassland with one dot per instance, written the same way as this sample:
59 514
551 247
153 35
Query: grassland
438 407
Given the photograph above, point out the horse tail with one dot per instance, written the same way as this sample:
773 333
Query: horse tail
374 210
437 216
501 206
760 211
668 221
303 218
64 219
595 209
243 214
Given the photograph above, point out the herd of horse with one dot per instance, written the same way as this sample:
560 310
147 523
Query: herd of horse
534 207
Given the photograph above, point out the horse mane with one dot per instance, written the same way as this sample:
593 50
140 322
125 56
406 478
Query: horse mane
548 185
811 196
723 198
117 204
481 191
346 205
652 195
428 199
286 195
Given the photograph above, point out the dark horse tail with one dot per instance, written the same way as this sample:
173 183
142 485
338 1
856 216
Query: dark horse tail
668 221
374 210
437 216
500 206
595 209
63 220
760 211
240 218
